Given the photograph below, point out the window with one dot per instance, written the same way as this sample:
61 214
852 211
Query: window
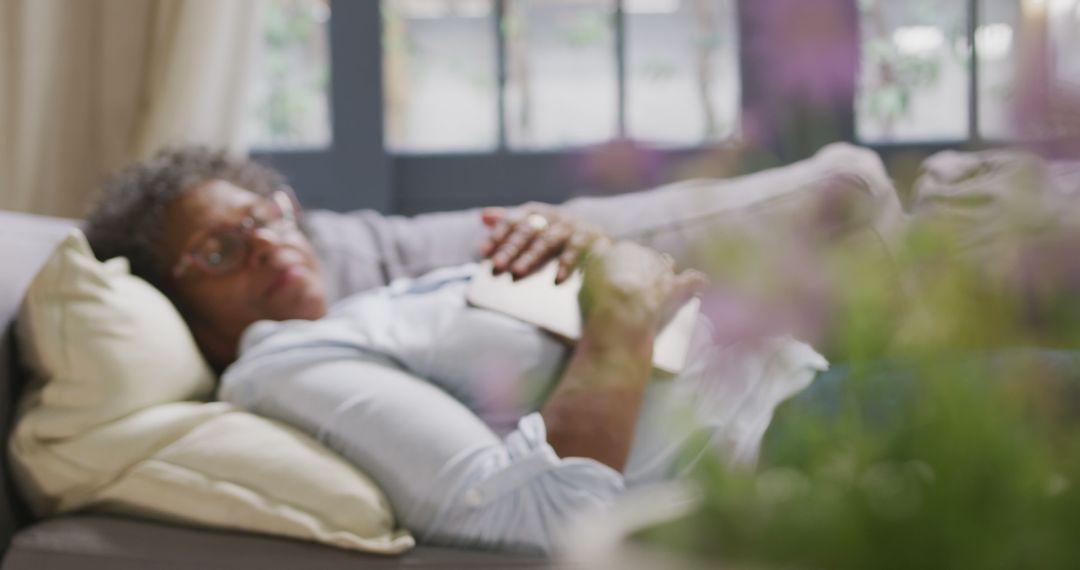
914 78
291 108
482 75
996 42
921 81
317 111
682 71
413 105
439 62
1065 37
561 73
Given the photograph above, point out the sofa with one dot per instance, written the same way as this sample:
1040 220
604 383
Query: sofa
364 249
102 541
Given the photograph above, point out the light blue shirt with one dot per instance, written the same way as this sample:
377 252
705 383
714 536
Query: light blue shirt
436 400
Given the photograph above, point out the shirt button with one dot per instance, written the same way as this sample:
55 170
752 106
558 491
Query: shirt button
473 497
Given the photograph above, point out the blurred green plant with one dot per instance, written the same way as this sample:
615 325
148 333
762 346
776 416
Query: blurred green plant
900 75
946 435
586 29
889 100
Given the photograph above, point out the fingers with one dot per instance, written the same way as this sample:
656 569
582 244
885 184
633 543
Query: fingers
503 225
681 288
543 247
535 233
520 237
689 283
577 246
491 216
500 229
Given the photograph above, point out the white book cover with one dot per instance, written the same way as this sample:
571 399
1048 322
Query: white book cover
537 300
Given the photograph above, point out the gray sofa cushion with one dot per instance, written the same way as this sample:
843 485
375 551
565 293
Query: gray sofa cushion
25 243
364 249
90 542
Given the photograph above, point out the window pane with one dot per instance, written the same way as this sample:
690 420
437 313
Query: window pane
996 43
999 40
439 75
561 78
291 105
682 70
1065 40
914 80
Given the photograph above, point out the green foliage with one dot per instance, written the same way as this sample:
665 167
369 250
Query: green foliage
290 31
659 70
943 439
285 26
903 75
587 29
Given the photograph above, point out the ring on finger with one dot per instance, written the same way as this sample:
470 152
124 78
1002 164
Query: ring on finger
536 221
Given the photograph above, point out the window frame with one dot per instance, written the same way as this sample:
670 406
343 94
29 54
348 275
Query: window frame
354 170
358 171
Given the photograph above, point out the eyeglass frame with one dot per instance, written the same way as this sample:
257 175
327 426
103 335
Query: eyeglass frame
286 205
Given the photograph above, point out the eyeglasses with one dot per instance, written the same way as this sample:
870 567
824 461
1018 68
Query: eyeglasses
227 249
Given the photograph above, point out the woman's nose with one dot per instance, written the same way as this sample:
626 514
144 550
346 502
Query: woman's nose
263 243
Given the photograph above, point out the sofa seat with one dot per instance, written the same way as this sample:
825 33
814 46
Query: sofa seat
96 541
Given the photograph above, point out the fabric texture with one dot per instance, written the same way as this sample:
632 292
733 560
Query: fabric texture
94 84
437 401
364 249
115 419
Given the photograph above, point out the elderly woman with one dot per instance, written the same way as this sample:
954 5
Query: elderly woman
481 429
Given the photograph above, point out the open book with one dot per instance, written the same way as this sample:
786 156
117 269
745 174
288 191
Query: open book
536 300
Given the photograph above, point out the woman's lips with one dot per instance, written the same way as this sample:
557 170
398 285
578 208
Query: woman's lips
283 278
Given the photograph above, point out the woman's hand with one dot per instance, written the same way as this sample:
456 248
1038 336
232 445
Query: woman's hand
635 287
631 289
524 239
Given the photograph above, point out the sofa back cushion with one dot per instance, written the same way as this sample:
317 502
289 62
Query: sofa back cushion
25 243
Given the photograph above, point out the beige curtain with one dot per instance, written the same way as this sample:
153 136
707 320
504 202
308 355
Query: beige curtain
89 85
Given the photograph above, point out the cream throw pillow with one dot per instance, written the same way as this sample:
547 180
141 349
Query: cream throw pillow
115 419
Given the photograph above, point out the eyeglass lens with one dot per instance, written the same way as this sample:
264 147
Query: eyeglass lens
226 249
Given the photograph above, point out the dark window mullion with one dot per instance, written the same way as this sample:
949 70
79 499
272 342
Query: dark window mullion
500 71
620 67
973 72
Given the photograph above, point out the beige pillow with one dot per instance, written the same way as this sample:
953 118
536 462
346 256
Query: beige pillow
114 419
105 343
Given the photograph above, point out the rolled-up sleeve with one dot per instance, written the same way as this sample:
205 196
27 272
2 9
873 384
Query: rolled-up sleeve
519 492
450 479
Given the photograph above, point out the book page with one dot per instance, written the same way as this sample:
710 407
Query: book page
536 300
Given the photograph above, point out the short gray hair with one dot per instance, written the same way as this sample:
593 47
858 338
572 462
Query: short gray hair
128 218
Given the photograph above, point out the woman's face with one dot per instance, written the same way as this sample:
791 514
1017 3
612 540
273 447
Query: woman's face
279 278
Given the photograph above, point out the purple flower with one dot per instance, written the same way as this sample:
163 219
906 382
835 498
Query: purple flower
1046 276
808 48
1047 107
797 299
621 165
